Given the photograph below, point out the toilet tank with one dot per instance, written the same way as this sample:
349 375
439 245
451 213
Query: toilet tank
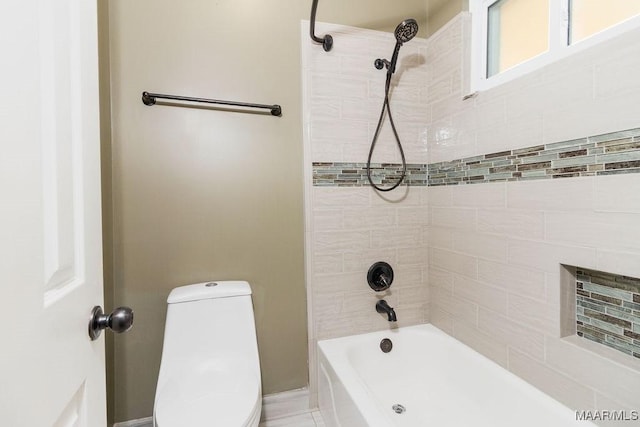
207 322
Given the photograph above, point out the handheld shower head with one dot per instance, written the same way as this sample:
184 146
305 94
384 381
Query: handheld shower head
406 30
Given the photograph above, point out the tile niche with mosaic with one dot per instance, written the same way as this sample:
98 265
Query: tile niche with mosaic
608 309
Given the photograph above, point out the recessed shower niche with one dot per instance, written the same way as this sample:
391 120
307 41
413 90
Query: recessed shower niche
607 309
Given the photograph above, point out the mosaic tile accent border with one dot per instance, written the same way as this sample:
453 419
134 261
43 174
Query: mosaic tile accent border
607 154
608 310
611 153
355 174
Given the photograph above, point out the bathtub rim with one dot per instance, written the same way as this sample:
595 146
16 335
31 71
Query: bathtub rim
330 349
333 350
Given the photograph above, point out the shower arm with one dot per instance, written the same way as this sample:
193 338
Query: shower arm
327 40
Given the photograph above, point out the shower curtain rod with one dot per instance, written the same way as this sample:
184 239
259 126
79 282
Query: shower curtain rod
150 99
327 40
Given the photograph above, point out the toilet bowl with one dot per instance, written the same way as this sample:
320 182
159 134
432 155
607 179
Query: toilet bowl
210 371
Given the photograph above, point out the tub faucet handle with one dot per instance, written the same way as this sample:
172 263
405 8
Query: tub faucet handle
383 307
380 276
383 279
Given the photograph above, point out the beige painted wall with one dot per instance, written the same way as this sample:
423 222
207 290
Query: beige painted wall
439 12
199 194
105 155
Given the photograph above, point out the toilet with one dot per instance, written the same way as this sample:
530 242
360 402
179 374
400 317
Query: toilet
209 372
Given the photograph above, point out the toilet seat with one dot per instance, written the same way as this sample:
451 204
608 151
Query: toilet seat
188 399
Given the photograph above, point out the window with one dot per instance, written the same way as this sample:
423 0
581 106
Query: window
508 43
588 17
514 37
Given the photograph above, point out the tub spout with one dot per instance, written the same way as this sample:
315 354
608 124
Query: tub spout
383 307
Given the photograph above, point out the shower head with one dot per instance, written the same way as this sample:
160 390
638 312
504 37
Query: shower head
406 30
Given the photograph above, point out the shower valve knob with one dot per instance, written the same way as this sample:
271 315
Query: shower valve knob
380 276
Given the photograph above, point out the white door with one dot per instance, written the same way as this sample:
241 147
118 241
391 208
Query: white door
51 373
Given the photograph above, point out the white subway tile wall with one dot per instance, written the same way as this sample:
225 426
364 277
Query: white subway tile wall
488 257
508 241
350 228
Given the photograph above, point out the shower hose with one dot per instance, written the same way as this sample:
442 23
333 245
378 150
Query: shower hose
386 106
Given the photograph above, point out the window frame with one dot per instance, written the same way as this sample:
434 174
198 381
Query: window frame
559 46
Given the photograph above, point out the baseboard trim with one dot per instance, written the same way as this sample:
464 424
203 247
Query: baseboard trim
285 404
141 422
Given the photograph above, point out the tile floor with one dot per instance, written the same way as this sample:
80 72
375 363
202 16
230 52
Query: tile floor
309 419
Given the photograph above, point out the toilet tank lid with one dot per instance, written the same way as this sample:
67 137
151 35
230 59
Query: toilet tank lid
209 290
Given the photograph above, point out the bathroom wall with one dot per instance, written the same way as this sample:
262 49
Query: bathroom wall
201 194
105 159
349 226
498 248
440 12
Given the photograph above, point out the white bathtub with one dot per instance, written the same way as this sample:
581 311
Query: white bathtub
440 381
